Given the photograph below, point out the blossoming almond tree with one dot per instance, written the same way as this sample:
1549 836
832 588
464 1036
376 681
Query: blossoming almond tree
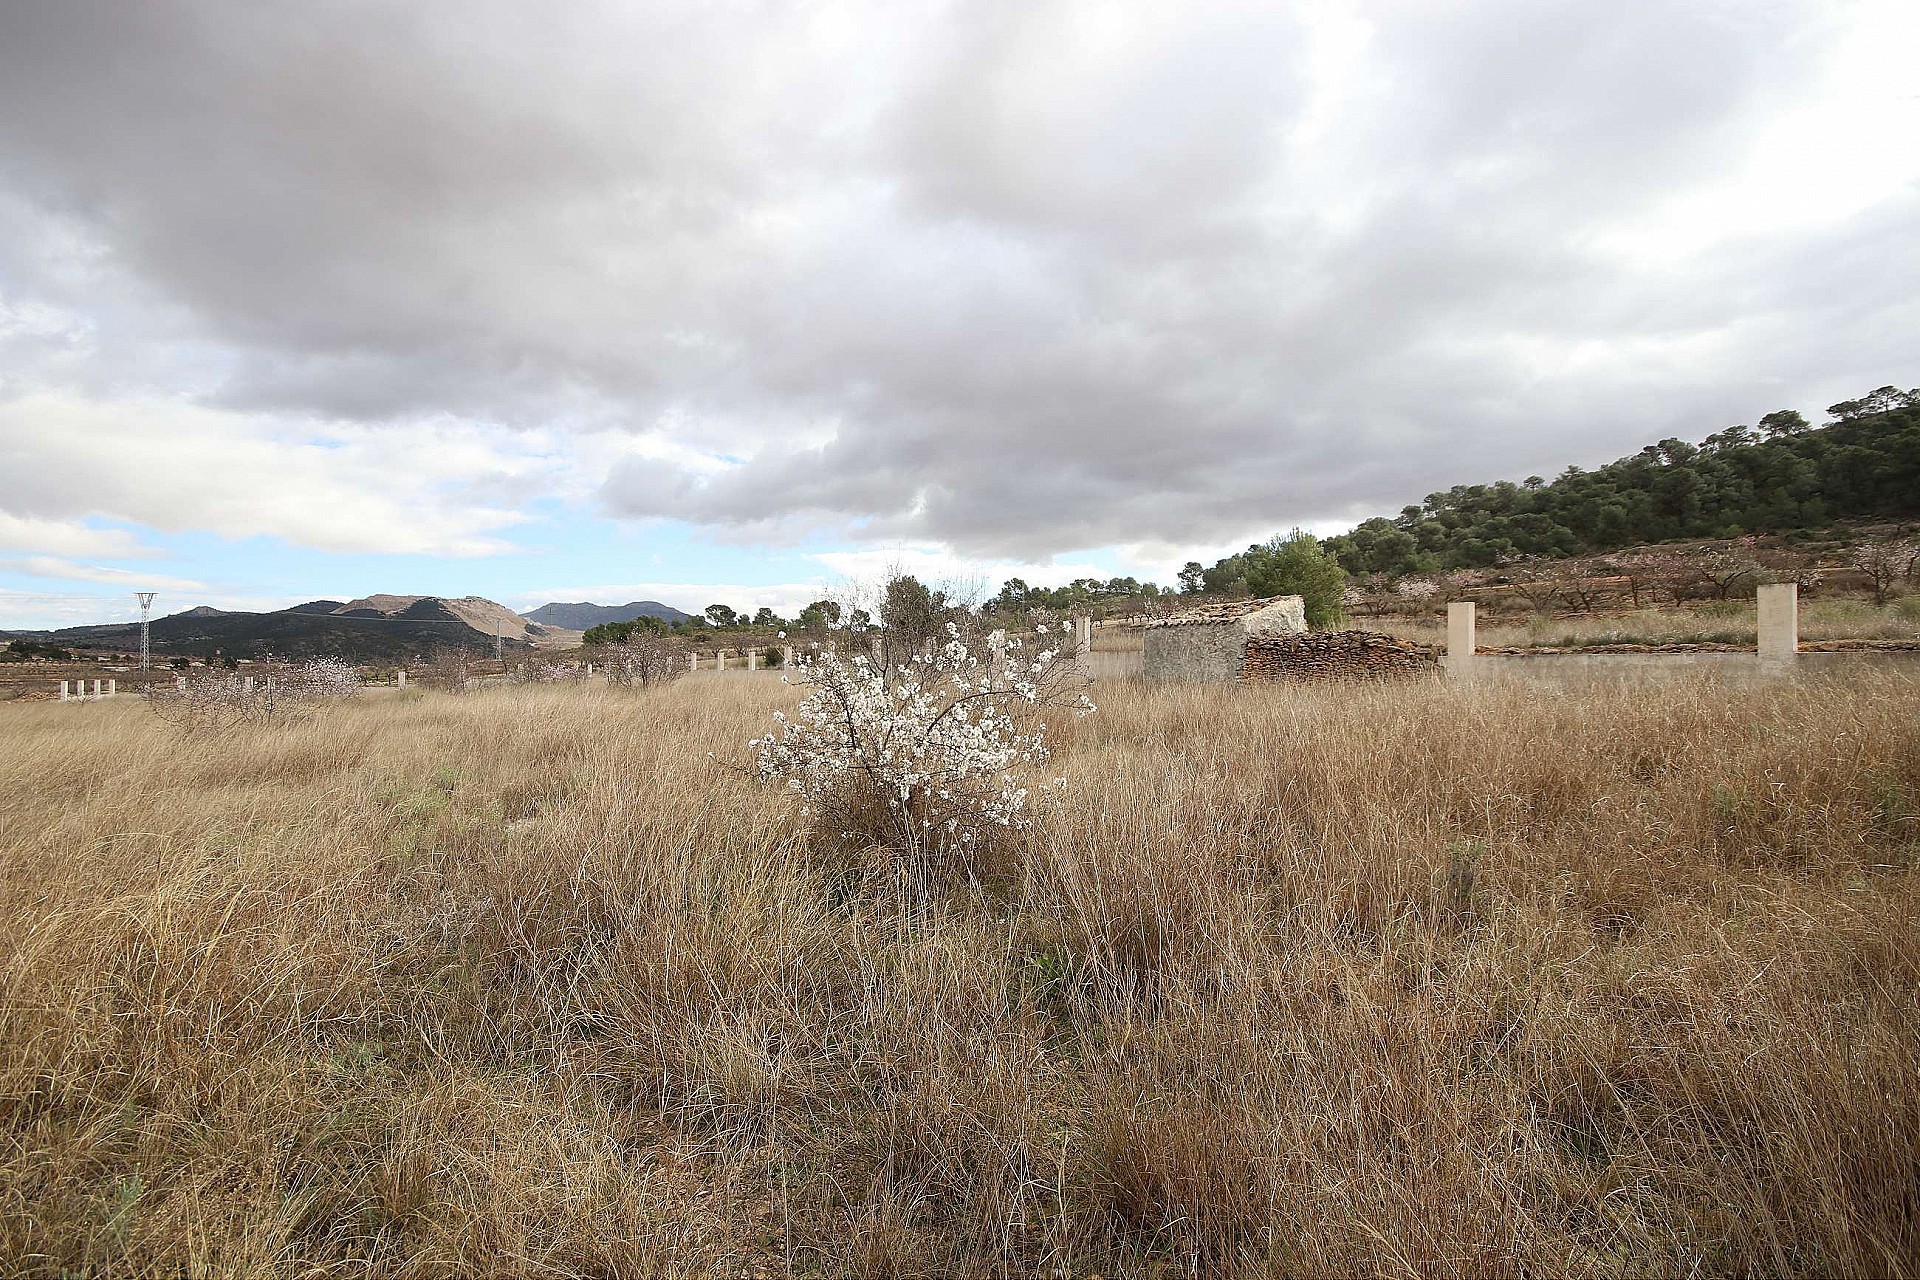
646 659
215 700
927 759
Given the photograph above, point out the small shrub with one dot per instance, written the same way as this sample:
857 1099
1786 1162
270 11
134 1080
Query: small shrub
648 657
924 759
324 679
445 670
213 699
542 671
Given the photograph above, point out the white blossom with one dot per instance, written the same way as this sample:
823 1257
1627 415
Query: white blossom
934 747
213 699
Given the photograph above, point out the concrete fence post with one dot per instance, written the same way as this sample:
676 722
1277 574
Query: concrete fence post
753 659
693 661
589 671
1462 660
996 652
1778 607
786 656
96 689
719 659
63 691
400 679
246 684
1082 634
113 687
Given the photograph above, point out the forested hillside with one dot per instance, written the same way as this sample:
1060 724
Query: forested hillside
1777 477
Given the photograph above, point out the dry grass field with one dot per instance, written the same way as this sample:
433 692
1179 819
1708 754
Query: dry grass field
1292 982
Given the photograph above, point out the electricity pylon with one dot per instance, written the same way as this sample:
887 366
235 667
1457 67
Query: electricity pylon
146 608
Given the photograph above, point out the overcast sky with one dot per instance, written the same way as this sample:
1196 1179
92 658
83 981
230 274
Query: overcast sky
721 300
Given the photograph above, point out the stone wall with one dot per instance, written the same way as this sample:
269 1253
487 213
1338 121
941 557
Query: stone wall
1336 655
1210 652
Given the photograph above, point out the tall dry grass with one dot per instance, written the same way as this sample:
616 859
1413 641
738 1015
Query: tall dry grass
1385 981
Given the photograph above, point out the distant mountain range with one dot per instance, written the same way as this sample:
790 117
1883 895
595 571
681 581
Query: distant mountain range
578 617
376 628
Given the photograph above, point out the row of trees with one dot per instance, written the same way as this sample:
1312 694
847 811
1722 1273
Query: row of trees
817 616
34 651
1075 597
1781 476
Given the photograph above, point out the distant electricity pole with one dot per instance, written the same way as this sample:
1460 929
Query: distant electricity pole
146 645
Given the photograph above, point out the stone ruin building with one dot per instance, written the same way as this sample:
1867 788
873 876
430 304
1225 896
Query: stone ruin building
1260 641
1210 643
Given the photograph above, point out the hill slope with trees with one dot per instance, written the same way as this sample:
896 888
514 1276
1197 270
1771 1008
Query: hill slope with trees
1780 476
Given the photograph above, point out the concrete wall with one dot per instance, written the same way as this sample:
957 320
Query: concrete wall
1571 670
1114 664
1777 657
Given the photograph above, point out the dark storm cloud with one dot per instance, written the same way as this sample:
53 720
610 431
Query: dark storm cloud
1015 277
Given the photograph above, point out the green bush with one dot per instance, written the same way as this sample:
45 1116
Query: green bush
621 632
1297 565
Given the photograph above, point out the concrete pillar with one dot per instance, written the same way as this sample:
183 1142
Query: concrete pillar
400 679
1082 634
1778 606
753 659
96 688
1461 662
719 659
246 684
589 671
63 691
113 687
693 662
996 651
786 656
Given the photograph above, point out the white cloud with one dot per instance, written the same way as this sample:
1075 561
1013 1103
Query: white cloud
936 565
65 538
69 571
1005 280
440 488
